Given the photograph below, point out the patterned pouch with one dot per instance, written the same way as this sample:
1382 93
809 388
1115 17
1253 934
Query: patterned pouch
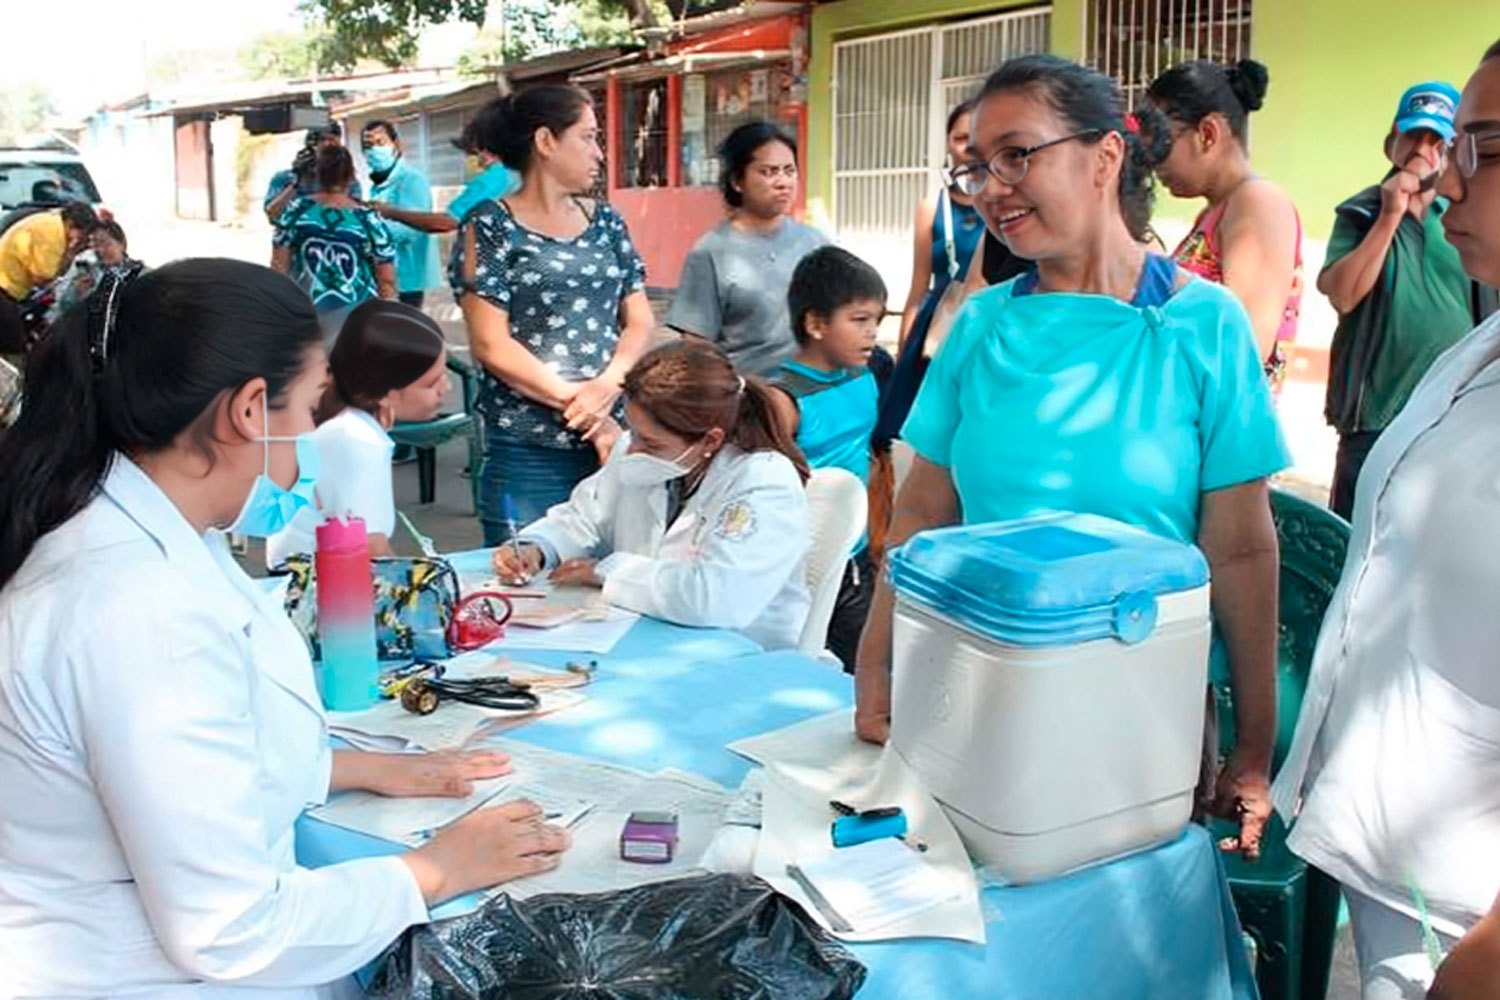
414 602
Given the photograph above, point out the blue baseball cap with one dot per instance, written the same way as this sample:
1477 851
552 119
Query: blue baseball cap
1428 105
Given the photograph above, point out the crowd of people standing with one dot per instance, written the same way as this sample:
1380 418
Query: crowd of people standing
1051 356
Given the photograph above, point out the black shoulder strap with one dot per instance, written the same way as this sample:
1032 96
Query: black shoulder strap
798 385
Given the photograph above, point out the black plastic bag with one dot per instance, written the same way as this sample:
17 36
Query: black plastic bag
714 937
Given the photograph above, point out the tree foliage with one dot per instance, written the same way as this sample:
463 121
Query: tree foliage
24 109
387 30
285 54
522 29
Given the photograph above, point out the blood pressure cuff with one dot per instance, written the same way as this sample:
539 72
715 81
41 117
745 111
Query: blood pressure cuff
703 938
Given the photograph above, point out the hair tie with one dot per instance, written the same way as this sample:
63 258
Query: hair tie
1132 124
740 389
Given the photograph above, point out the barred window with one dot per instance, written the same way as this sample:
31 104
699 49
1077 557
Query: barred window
643 134
1135 41
715 104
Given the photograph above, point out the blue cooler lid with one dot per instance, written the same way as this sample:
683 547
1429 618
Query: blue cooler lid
1050 580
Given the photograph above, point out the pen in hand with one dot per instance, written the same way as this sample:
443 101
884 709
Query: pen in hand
521 578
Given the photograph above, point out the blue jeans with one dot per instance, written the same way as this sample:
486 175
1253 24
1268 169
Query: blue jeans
534 478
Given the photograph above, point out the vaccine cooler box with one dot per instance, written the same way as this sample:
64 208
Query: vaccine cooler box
1048 687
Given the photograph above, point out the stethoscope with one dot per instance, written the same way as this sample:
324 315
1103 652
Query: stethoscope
421 688
422 695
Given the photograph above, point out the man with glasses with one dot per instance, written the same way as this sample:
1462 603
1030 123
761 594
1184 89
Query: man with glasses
1396 283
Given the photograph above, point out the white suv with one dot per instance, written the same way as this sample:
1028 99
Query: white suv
29 176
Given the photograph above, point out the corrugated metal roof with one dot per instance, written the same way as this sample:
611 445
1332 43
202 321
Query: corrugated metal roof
228 100
410 97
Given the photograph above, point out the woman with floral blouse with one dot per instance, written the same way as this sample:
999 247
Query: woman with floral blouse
553 292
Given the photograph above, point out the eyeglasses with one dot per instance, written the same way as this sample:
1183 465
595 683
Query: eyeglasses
1465 147
1008 165
770 172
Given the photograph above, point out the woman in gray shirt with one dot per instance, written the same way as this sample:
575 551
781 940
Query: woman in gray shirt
734 282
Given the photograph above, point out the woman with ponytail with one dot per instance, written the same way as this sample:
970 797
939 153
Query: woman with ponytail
699 517
1249 237
389 363
1105 381
160 726
554 295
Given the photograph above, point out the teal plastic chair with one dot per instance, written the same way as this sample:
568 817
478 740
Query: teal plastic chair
427 435
1287 908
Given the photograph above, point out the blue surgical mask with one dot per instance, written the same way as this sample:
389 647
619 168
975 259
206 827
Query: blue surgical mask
270 508
381 158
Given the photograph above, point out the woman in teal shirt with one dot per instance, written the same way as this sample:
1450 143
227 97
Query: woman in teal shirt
1105 381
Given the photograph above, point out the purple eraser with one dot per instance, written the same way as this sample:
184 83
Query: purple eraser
649 838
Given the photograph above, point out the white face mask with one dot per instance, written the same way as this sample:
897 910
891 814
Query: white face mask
640 469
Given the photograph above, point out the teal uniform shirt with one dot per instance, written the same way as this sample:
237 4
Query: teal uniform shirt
416 251
490 184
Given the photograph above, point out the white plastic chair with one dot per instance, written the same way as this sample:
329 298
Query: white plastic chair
838 513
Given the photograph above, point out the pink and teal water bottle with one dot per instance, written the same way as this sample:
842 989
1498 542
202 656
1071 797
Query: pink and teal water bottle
346 616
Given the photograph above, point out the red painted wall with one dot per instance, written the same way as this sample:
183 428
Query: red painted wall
665 223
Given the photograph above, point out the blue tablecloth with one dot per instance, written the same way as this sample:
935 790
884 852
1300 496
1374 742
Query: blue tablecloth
1155 926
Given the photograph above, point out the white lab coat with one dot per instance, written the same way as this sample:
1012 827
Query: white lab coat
734 558
160 732
1396 760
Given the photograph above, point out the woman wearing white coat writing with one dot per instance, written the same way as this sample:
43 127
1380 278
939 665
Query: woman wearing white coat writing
160 730
699 517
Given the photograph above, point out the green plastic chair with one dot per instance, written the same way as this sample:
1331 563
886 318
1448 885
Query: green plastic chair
425 436
1289 909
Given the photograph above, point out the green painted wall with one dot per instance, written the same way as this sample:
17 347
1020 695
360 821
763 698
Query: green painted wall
1337 69
853 18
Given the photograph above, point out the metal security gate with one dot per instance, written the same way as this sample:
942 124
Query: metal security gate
1134 41
892 94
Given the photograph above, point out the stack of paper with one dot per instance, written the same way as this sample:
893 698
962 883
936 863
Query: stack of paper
873 885
543 614
593 863
412 821
540 623
818 761
388 726
595 633
597 798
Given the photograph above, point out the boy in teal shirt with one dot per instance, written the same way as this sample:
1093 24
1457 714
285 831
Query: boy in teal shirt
831 400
